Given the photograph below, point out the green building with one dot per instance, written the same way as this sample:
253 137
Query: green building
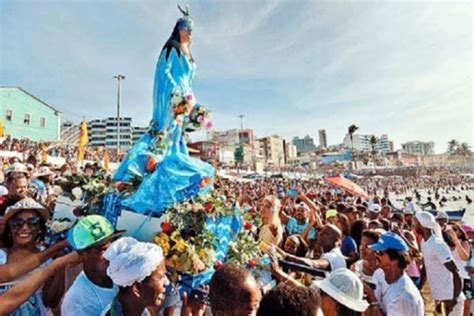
25 116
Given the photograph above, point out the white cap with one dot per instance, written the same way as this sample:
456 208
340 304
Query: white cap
345 287
408 211
442 215
427 220
374 208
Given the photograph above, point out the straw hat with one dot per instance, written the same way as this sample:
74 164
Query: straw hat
23 205
16 167
44 171
344 286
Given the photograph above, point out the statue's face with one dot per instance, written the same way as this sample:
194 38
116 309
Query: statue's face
185 35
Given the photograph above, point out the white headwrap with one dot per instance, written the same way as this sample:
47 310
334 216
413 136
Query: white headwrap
132 261
427 220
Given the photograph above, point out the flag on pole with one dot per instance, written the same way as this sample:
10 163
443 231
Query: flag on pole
83 140
44 154
106 159
2 129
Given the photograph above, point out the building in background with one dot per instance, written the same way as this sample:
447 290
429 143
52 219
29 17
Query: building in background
232 137
208 149
138 132
26 116
392 146
323 141
330 157
273 149
103 133
383 144
291 151
304 145
70 133
419 148
362 142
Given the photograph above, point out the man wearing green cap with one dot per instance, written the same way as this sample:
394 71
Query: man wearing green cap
93 289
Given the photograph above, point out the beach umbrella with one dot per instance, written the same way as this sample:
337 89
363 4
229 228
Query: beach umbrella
347 185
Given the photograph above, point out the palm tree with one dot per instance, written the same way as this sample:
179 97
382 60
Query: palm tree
351 130
464 149
373 142
453 146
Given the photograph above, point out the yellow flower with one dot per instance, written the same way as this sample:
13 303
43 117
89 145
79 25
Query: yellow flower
180 245
163 243
202 254
264 247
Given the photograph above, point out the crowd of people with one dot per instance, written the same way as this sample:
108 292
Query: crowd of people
372 258
330 252
31 151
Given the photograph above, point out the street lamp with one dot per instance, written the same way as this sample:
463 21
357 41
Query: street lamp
119 77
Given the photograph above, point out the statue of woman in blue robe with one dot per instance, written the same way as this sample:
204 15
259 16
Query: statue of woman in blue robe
177 176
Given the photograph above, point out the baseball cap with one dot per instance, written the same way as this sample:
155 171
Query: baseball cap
90 231
330 213
389 241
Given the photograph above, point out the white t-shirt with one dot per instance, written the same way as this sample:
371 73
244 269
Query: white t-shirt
86 298
400 298
335 258
435 254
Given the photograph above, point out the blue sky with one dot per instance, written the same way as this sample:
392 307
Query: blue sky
402 68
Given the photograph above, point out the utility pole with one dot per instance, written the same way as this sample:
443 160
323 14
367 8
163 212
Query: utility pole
241 116
119 78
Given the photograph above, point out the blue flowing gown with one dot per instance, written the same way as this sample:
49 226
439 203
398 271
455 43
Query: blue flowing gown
177 176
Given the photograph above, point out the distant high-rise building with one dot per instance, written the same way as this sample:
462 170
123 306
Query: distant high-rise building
273 149
291 151
383 144
323 141
363 143
304 145
103 132
419 148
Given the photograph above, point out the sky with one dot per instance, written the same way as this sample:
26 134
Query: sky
401 68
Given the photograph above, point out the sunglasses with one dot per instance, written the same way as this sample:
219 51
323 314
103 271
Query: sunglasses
19 222
379 253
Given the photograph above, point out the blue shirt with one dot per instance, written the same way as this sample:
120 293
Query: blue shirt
294 228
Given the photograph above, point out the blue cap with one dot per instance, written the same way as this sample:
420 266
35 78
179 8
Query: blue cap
390 241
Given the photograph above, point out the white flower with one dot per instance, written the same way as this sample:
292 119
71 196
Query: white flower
77 192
